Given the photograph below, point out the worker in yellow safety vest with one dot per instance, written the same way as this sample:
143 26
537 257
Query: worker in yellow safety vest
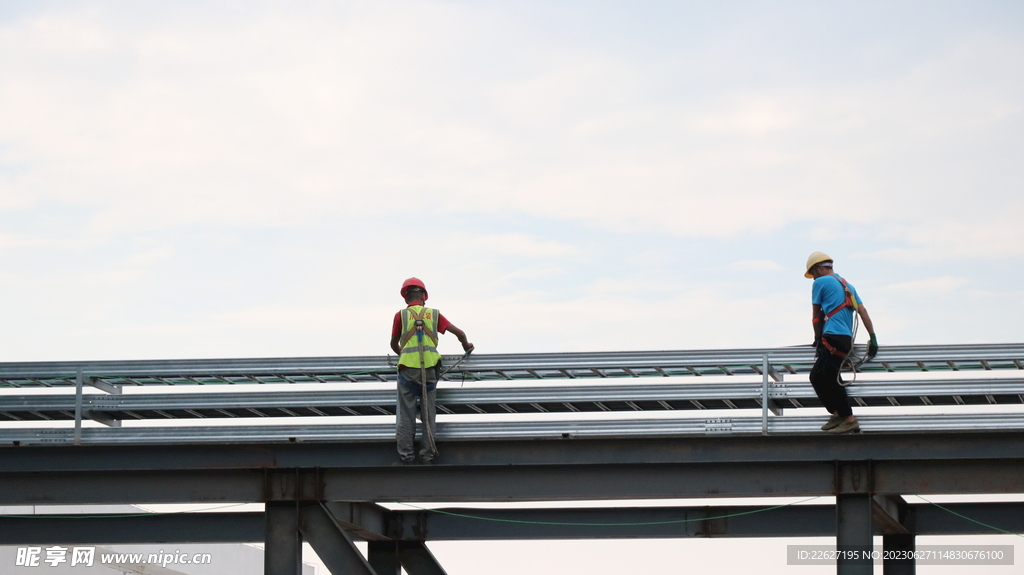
414 337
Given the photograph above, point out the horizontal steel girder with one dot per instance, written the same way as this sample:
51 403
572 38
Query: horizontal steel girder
111 529
820 448
503 366
524 483
925 447
469 524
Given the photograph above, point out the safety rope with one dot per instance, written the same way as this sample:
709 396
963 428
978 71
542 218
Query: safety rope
428 434
848 359
670 522
499 520
962 516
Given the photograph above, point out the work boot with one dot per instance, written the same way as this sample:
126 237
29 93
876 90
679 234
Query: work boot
846 427
832 422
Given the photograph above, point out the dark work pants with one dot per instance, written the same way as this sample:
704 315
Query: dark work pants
825 376
410 400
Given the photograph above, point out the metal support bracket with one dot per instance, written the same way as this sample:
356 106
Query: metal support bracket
362 520
102 385
102 417
854 478
768 373
888 513
293 484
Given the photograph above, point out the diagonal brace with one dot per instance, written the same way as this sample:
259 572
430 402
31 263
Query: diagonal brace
417 559
332 544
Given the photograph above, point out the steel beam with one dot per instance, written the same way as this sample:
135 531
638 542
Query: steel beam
282 552
121 529
226 486
332 544
950 518
559 482
903 449
511 483
459 524
463 524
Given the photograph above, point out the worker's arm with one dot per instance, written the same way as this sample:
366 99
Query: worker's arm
466 346
818 321
866 320
394 344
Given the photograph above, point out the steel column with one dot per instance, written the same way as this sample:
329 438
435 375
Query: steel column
79 381
282 552
897 543
853 534
383 557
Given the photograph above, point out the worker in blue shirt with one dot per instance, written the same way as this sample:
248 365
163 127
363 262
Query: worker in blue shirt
833 304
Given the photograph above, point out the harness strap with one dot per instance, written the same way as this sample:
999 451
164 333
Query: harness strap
431 444
432 334
831 349
849 302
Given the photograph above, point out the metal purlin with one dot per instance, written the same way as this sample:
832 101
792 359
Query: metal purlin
571 368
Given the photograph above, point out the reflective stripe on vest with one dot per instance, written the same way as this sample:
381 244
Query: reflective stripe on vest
410 341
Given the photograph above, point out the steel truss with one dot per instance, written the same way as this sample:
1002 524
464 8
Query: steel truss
320 482
759 385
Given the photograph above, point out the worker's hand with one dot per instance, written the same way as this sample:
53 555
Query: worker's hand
872 348
467 347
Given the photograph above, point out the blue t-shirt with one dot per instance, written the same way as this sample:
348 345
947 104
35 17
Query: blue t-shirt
828 293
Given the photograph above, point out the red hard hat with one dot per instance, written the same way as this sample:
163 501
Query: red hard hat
417 282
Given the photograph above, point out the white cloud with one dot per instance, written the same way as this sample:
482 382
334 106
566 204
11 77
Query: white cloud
21 241
512 244
756 266
277 119
943 285
276 125
998 236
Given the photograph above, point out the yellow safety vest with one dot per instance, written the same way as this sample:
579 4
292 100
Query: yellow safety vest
410 341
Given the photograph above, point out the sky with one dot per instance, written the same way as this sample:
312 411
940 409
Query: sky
211 179
256 179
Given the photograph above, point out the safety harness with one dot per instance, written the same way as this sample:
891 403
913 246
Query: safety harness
419 329
850 301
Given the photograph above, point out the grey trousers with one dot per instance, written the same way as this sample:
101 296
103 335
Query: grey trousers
408 404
